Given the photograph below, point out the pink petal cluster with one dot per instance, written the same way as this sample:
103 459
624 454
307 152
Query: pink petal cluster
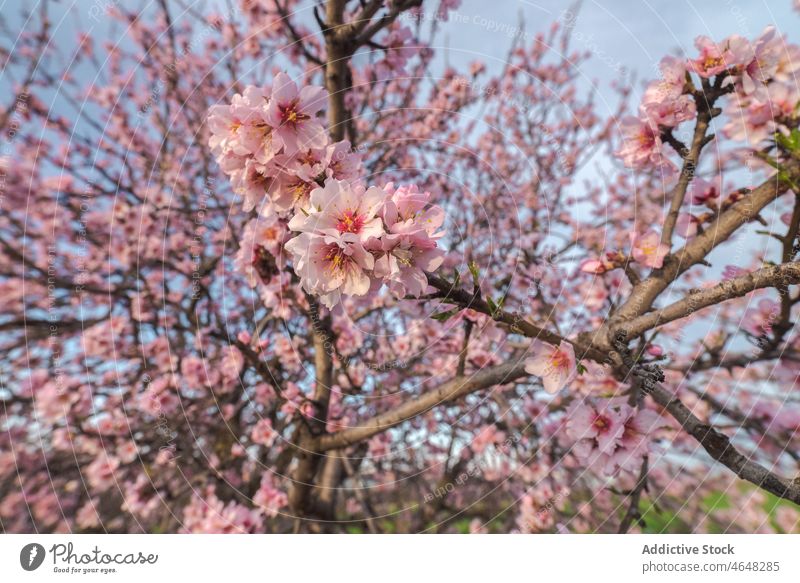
210 515
554 364
607 262
487 436
353 239
664 102
641 143
269 498
274 147
758 321
713 59
760 73
409 248
609 436
263 433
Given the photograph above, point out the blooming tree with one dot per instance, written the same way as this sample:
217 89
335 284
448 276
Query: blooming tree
282 270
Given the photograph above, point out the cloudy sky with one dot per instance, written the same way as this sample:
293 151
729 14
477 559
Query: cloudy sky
623 34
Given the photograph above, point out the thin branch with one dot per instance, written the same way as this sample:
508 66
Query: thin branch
636 495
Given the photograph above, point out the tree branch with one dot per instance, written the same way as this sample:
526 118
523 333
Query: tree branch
445 393
772 276
645 293
720 448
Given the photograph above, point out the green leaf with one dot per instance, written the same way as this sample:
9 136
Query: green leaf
473 269
492 306
790 142
445 316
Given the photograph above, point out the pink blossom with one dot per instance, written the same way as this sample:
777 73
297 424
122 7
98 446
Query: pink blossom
409 247
253 182
241 128
269 498
604 425
758 321
610 436
101 472
763 62
331 265
706 193
290 191
263 433
488 435
671 84
293 115
641 143
670 112
598 266
634 443
343 162
687 225
341 209
210 515
713 59
648 249
396 53
554 364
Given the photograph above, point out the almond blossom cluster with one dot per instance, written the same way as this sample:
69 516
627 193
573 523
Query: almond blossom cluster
609 436
350 239
757 73
646 250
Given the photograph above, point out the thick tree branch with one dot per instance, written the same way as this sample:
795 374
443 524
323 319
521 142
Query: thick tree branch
720 448
645 293
446 393
772 276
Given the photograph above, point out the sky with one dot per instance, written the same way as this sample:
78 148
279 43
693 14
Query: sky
629 35
623 34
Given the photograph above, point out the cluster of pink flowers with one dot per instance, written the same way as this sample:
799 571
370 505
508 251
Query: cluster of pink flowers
664 105
210 515
608 435
646 250
758 320
758 72
351 239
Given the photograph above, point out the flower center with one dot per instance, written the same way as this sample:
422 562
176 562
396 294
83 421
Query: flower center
710 62
289 114
559 360
646 139
300 190
350 222
648 250
601 423
335 258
